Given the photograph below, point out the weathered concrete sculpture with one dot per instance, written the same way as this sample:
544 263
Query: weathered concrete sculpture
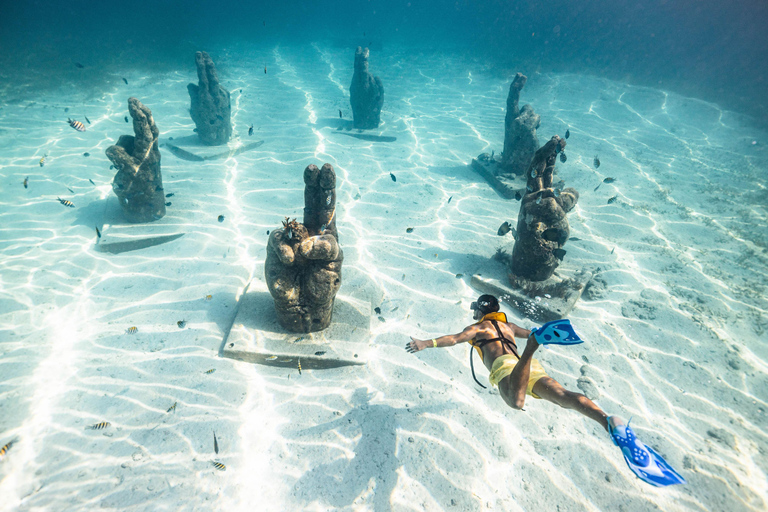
542 225
520 124
138 183
210 109
366 94
303 265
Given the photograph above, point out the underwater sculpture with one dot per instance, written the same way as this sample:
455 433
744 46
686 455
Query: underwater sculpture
542 225
303 265
138 183
210 109
520 124
366 94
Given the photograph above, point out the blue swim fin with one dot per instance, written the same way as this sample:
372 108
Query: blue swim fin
557 332
645 463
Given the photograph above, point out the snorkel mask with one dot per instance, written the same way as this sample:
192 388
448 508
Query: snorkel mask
484 304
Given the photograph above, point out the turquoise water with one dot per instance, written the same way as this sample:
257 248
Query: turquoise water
674 324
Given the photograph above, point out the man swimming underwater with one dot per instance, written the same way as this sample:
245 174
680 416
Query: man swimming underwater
517 375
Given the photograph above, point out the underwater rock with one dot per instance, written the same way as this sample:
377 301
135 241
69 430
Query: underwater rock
210 109
303 265
366 94
520 124
542 225
138 183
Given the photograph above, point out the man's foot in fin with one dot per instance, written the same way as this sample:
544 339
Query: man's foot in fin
642 460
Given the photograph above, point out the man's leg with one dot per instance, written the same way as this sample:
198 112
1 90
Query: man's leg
512 388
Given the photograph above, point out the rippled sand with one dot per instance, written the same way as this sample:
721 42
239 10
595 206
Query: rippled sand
676 339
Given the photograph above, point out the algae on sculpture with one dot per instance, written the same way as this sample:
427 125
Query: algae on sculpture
366 93
542 225
303 265
210 108
138 183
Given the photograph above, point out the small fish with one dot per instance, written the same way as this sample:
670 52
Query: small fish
126 119
381 319
459 276
78 65
26 182
170 195
392 176
320 353
575 239
613 199
559 254
42 160
533 173
126 81
271 358
409 230
66 203
563 158
70 190
377 310
7 447
173 407
132 330
181 323
567 133
504 229
98 233
265 69
215 443
250 131
449 199
86 155
92 183
99 426
220 218
77 125
596 162
323 228
558 148
87 120
328 199
340 116
518 195
267 231
609 180
613 250
219 465
168 203
299 366
208 297
208 372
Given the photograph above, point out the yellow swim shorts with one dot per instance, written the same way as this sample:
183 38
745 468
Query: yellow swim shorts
503 366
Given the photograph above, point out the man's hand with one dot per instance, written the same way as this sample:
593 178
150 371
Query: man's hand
416 345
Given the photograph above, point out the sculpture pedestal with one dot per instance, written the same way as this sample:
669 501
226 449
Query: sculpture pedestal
507 186
524 299
257 337
118 236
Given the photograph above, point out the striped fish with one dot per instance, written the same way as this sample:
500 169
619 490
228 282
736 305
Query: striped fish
173 407
77 125
218 465
299 366
42 160
181 323
208 372
208 297
65 202
132 330
5 448
99 426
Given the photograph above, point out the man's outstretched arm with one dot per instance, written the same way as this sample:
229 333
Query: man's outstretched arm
443 341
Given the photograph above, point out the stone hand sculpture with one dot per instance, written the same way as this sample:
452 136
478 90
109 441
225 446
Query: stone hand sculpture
303 265
366 94
542 226
210 107
138 183
520 141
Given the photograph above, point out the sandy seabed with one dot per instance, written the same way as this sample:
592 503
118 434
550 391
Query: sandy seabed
675 326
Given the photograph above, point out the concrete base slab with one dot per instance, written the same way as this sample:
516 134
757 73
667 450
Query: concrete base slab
506 187
541 301
118 236
257 337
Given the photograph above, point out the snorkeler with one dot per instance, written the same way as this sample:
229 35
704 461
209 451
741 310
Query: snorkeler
517 375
